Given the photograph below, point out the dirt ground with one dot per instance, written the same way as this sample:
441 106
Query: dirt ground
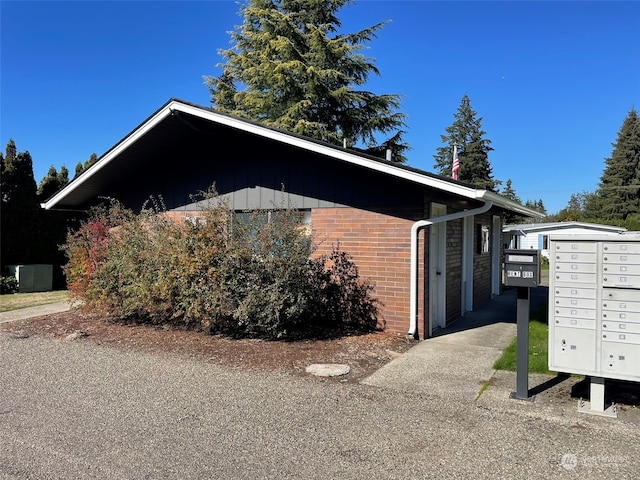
364 353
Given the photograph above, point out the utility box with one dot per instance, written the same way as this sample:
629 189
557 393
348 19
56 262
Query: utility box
33 278
522 268
594 305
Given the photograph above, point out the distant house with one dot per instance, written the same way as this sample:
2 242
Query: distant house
430 245
536 235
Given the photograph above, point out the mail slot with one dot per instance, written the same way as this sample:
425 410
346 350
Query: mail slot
521 268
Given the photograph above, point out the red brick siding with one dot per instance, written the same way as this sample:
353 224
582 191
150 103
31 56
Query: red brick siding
482 263
380 245
454 270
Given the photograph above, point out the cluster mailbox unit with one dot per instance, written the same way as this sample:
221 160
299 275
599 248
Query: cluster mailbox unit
594 310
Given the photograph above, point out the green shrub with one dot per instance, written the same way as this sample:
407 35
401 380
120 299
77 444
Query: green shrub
249 274
8 284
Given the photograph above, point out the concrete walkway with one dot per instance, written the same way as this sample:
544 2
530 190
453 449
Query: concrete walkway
456 362
30 312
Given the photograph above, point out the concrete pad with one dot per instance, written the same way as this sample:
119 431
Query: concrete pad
30 312
495 335
440 368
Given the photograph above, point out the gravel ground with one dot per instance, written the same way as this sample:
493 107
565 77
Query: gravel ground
74 409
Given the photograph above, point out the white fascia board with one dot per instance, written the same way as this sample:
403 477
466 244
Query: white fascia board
110 155
503 202
329 151
280 136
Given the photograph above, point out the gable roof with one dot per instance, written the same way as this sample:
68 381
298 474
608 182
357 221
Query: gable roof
121 163
527 228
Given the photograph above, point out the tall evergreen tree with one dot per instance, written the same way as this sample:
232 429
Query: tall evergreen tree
618 194
19 208
473 149
53 182
81 167
536 205
510 193
291 69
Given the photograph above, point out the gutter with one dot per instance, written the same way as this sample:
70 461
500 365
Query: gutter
415 228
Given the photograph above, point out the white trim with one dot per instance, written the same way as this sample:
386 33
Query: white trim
437 270
413 275
301 142
467 264
496 257
110 155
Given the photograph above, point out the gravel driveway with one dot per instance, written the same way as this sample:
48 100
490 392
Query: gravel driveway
79 410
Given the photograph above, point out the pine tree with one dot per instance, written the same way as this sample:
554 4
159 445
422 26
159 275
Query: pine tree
291 69
618 194
510 193
53 182
473 149
81 167
20 210
537 205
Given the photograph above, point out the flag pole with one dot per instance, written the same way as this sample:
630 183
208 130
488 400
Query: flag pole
455 167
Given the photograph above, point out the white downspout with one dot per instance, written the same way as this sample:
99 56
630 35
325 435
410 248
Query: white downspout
413 311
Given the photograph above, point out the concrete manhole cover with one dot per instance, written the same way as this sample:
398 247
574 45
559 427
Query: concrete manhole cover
328 369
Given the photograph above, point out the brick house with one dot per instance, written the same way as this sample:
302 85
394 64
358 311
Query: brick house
430 245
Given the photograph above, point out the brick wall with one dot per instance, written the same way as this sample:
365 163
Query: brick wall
454 270
482 263
380 245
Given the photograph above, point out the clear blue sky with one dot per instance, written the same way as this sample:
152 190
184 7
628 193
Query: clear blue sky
552 80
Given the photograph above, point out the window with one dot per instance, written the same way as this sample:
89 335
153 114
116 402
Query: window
482 239
545 242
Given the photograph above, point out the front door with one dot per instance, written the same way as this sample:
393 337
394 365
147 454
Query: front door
437 270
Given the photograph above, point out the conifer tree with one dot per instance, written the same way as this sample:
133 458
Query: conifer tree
617 199
81 167
473 149
19 208
53 182
291 69
510 193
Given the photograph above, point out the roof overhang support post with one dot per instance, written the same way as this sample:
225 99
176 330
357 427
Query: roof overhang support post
415 229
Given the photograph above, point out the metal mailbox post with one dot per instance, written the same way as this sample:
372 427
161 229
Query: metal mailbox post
522 270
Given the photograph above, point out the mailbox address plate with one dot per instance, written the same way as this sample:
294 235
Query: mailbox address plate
522 268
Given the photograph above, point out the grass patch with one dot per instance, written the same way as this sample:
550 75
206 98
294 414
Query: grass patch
14 301
538 346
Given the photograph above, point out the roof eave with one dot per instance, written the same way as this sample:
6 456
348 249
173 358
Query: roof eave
505 203
404 172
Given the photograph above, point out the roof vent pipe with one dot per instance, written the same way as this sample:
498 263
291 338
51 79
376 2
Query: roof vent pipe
413 309
388 154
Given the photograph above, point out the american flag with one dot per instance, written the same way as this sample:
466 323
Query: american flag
456 163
